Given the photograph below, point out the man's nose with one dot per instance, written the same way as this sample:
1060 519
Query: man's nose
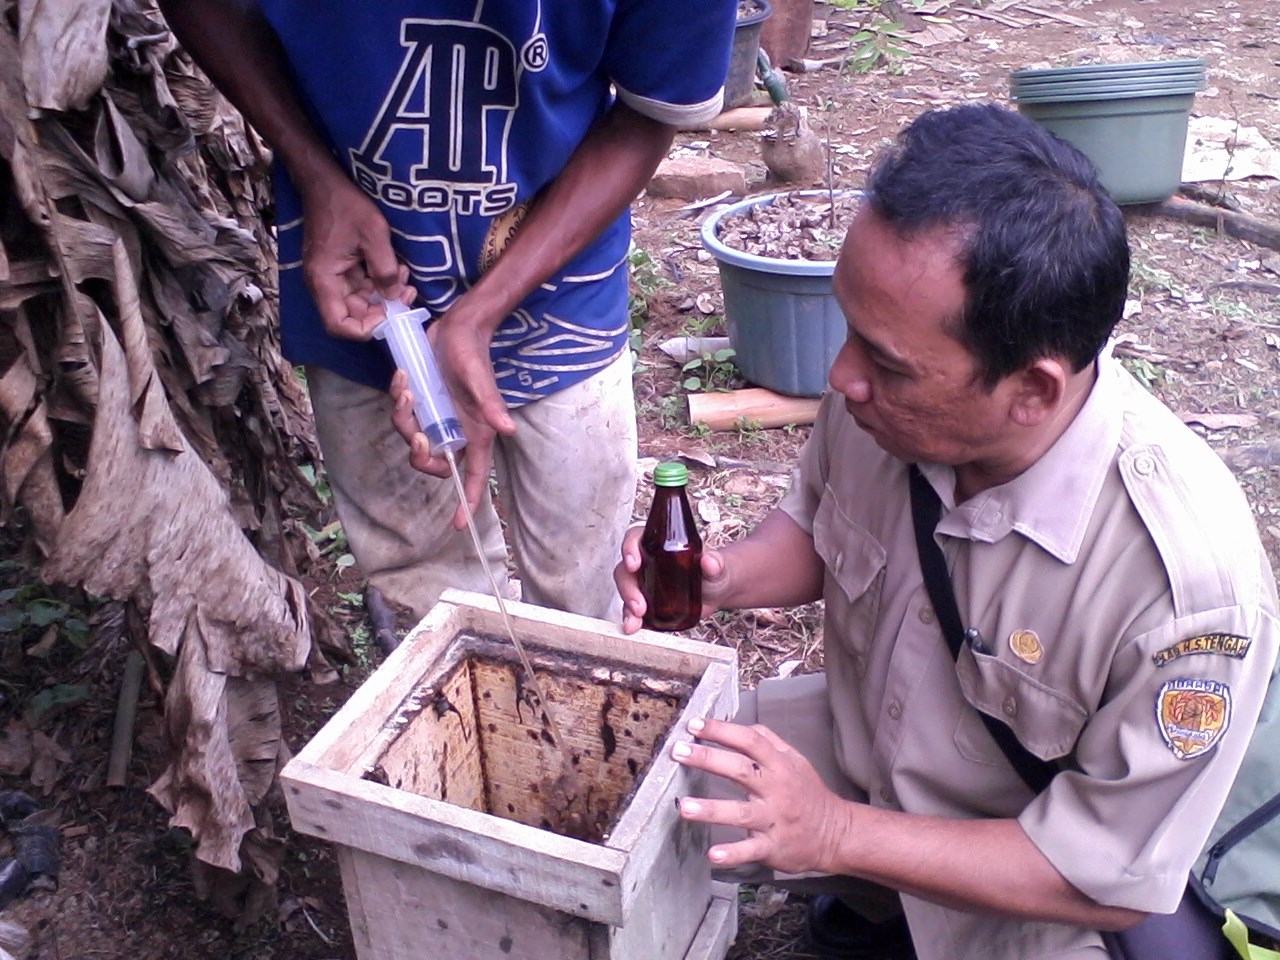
848 374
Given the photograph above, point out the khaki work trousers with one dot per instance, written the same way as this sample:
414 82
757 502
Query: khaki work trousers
566 484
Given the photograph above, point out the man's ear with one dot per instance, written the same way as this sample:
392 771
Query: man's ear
1038 392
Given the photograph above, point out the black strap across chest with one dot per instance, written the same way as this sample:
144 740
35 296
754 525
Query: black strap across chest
926 511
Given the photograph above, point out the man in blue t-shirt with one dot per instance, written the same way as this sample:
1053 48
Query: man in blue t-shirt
477 157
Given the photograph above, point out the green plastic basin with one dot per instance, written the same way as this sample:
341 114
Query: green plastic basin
1091 95
1137 143
1031 83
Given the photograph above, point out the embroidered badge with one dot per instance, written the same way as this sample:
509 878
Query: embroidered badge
1026 646
1226 644
1193 715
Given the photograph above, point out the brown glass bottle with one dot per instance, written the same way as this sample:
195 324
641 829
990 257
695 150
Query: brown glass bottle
671 554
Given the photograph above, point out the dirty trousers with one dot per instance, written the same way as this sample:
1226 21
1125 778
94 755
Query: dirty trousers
566 484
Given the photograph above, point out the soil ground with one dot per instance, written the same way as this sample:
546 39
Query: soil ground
1203 331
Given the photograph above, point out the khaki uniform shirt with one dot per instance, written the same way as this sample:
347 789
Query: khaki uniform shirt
1128 629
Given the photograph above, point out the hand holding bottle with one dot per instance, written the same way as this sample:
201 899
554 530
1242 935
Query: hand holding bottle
665 579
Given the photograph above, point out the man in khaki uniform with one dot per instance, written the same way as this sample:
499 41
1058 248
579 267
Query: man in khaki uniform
1120 610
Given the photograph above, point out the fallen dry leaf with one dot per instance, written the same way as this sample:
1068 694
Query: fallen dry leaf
44 645
697 455
47 760
15 749
749 486
769 616
768 901
709 510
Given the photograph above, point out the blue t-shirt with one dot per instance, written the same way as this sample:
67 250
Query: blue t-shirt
453 114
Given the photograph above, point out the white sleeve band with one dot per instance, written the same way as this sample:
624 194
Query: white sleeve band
675 114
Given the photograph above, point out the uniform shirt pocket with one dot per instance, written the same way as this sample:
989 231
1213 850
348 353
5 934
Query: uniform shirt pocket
1045 721
855 563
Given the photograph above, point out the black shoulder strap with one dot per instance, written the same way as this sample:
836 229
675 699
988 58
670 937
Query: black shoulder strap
926 510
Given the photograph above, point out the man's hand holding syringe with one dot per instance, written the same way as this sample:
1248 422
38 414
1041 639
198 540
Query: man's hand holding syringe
425 414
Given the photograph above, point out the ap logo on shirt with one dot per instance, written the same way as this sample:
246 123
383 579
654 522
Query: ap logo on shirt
1193 715
439 141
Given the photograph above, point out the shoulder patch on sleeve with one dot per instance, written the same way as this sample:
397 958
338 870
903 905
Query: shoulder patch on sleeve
1226 644
1193 715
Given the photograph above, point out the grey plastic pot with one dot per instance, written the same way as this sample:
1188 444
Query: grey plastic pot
784 323
1090 97
1137 143
740 83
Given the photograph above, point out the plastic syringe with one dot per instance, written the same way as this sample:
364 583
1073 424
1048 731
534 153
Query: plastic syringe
403 330
405 335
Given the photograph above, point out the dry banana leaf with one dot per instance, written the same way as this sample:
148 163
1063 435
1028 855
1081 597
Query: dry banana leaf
149 426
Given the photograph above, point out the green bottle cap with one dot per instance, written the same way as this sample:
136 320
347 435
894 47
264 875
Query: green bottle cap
670 474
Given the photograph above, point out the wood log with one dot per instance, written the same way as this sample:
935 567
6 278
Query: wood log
739 118
1239 225
753 406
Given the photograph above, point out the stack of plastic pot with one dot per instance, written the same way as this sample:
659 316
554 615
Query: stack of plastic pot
1130 119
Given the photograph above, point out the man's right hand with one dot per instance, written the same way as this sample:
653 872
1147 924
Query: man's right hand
627 577
346 256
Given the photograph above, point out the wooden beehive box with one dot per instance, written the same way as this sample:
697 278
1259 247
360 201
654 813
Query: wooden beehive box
460 835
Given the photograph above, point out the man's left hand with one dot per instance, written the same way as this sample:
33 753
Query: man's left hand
475 459
462 351
794 822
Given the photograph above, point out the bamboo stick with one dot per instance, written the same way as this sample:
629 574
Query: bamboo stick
754 406
126 711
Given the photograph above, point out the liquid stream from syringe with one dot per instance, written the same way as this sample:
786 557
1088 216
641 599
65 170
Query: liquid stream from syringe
502 608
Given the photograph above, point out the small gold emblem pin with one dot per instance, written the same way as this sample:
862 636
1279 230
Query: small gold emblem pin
1026 646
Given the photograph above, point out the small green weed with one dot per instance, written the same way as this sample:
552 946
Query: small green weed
332 539
750 432
671 411
363 648
880 41
319 482
711 371
646 281
1146 279
1147 373
26 608
1235 310
697 325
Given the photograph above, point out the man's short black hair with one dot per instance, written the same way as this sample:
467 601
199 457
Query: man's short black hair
1043 246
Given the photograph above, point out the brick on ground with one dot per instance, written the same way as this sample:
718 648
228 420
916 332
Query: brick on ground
693 178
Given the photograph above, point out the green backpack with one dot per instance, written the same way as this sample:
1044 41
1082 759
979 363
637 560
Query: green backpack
1239 869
